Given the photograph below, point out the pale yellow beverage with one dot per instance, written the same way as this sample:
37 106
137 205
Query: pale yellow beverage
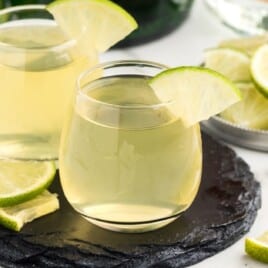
38 69
126 162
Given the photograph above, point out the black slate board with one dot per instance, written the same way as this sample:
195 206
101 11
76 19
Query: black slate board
225 209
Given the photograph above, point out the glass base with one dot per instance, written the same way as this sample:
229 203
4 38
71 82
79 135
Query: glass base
132 228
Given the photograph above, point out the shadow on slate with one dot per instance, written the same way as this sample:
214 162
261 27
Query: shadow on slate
224 210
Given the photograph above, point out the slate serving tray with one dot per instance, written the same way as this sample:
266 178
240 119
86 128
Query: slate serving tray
224 210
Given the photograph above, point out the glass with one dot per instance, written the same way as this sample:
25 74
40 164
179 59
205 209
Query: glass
156 18
38 69
246 16
126 162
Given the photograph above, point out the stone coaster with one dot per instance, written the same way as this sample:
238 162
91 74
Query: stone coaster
224 210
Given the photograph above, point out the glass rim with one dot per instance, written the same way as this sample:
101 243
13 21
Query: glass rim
122 63
34 7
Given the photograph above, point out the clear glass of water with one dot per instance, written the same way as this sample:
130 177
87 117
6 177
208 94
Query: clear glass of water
127 163
245 16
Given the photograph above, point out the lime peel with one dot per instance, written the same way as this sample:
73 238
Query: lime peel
259 70
15 217
23 180
97 24
257 248
196 93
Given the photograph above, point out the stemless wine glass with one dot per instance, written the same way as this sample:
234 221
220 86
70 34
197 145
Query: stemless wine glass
38 69
126 162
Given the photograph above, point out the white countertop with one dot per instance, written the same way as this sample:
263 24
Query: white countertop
185 46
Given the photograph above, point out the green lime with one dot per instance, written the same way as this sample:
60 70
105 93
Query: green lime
251 111
98 24
23 180
259 69
195 93
232 63
257 248
15 217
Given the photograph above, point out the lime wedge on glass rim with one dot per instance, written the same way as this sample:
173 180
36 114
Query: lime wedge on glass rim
97 24
14 217
259 69
232 63
257 248
23 180
195 93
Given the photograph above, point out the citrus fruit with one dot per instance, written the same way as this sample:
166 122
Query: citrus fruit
23 180
97 23
251 111
247 44
257 248
259 69
15 217
194 93
232 63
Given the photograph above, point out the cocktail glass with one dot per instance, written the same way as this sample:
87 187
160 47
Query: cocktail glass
127 163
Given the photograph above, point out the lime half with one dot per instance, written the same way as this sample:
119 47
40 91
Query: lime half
257 248
14 217
23 180
259 69
232 63
98 24
195 93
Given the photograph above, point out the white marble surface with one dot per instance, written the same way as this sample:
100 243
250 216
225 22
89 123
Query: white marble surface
185 46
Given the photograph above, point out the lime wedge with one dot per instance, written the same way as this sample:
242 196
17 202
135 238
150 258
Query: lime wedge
247 44
97 23
195 93
251 111
23 180
257 248
232 63
14 217
259 69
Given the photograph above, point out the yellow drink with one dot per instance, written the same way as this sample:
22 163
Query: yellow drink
38 68
126 162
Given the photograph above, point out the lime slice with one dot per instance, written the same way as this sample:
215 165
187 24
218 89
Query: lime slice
251 111
259 69
257 248
14 217
23 180
247 44
195 93
98 23
232 63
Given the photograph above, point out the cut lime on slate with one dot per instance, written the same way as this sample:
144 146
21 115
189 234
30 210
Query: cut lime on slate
23 180
259 69
195 93
257 248
14 217
232 63
98 23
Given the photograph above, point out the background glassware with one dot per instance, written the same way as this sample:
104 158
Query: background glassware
38 67
246 16
126 162
155 17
